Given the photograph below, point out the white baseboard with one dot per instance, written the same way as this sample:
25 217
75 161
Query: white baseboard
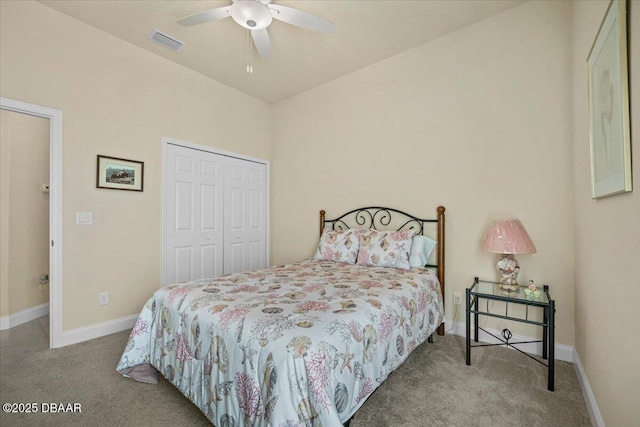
562 352
98 330
24 316
590 400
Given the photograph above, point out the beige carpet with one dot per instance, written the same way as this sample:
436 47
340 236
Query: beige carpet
433 387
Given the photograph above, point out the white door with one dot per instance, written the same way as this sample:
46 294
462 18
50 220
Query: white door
193 214
245 229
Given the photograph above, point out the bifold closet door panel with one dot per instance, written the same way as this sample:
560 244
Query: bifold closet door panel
194 214
245 228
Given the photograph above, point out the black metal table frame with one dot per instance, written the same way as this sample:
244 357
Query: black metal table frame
547 324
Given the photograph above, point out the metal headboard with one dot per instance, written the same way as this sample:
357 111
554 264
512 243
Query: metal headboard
381 218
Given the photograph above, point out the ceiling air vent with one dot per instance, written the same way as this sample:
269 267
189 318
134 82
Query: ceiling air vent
166 40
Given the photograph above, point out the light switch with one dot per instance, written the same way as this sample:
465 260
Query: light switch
84 218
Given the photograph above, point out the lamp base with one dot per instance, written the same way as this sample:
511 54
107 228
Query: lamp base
509 268
510 288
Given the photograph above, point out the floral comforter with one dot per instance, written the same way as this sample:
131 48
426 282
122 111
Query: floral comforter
302 344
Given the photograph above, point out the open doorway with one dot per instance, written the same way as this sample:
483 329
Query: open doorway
31 250
24 223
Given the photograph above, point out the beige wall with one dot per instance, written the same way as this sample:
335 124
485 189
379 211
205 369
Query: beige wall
607 242
4 218
478 120
117 100
24 251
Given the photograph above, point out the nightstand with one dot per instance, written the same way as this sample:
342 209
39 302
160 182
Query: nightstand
490 291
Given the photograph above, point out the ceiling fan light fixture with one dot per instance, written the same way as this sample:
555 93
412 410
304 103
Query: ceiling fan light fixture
251 14
256 16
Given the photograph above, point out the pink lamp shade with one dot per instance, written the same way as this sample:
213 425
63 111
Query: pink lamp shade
507 237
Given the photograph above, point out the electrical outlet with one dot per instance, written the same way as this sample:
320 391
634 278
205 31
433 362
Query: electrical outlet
457 298
103 298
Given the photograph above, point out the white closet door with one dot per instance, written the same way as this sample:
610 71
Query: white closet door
194 214
245 234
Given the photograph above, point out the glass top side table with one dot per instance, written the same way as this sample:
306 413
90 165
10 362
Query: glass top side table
538 299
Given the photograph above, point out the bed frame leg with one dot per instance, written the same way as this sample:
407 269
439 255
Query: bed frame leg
430 339
346 424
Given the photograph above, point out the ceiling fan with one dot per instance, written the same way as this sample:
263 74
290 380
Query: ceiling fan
256 15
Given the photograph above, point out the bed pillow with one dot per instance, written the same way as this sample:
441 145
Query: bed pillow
385 248
338 246
421 250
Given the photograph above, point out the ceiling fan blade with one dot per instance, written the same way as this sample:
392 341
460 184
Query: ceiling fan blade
301 19
261 40
206 16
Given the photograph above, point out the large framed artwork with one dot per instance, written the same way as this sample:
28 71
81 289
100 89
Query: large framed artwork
119 174
609 129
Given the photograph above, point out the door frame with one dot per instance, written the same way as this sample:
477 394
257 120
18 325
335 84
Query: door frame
170 141
55 209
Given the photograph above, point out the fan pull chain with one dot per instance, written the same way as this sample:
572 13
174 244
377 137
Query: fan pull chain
249 53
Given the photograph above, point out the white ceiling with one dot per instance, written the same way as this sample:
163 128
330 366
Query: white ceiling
367 31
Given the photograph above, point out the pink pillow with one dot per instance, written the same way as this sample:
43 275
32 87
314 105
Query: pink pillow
338 246
385 248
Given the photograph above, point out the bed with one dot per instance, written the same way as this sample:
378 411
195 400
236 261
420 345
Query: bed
302 344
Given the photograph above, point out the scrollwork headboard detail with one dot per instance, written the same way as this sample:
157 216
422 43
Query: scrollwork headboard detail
381 218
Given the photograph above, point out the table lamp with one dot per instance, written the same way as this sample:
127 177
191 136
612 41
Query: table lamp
508 237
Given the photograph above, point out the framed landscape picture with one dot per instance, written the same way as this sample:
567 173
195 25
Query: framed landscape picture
609 129
119 174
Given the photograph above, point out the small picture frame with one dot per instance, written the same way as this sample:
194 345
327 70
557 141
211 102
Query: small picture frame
119 174
609 130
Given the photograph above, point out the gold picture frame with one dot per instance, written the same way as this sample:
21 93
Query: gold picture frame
609 131
119 174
